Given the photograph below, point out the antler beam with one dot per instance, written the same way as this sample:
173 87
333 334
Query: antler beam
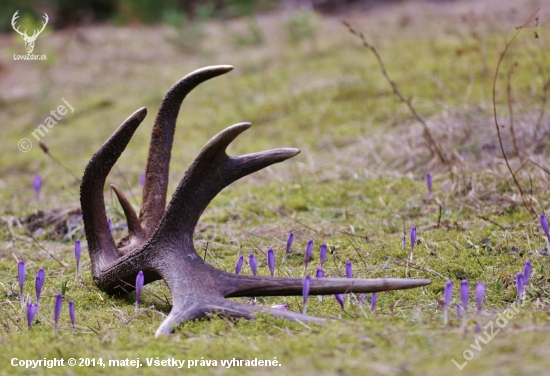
160 241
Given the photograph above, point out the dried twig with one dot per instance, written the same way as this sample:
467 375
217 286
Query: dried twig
501 58
510 107
427 134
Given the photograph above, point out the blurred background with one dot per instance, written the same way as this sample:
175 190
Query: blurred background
301 78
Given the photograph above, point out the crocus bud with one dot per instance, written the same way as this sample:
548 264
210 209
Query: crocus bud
271 261
448 294
362 298
110 223
253 264
39 282
57 311
520 285
447 297
340 299
320 273
37 185
373 302
464 294
142 179
309 249
140 279
77 254
544 225
527 272
305 291
72 313
31 311
322 254
289 242
413 241
349 270
239 264
429 182
480 294
21 274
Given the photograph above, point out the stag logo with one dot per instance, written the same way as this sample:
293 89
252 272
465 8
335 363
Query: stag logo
29 41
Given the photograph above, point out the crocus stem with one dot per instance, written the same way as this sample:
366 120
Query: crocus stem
445 316
137 306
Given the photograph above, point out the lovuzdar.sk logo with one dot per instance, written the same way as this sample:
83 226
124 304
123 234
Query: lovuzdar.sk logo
29 40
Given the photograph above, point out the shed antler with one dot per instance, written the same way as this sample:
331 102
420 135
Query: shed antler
160 242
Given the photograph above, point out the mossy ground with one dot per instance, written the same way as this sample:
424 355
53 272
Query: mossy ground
308 84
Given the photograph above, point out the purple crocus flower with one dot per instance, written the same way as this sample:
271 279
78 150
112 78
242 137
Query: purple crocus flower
110 223
239 264
464 294
322 254
520 285
21 274
309 249
429 182
305 291
413 241
404 242
289 242
271 261
77 254
447 297
480 294
340 299
57 311
527 272
362 298
140 279
373 302
37 185
349 270
72 313
39 282
31 311
253 264
544 225
320 273
142 179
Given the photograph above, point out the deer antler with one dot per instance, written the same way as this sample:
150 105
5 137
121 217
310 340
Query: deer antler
160 242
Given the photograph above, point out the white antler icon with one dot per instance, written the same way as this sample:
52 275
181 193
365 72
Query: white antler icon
29 41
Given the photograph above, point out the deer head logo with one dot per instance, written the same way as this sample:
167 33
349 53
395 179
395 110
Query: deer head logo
29 41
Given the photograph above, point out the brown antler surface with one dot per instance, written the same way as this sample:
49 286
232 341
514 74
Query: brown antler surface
160 241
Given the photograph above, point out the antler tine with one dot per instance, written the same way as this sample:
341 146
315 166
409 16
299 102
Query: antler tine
228 308
156 173
103 250
135 231
284 286
211 172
